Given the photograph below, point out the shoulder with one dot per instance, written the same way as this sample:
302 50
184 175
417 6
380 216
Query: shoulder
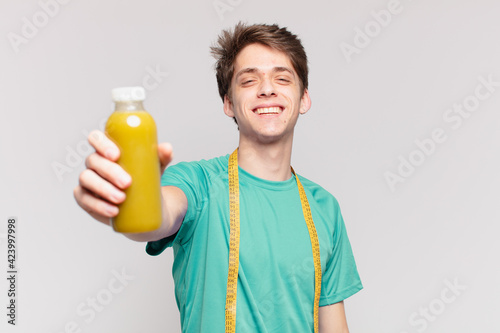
325 208
318 193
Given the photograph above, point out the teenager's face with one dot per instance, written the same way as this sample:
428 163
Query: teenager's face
265 95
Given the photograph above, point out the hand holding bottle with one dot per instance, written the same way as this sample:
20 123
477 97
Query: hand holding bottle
102 184
106 189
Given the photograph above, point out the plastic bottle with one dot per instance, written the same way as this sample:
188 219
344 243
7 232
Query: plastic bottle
134 132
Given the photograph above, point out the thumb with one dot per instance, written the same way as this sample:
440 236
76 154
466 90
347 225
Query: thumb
165 154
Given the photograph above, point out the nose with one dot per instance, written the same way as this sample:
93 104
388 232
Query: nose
266 88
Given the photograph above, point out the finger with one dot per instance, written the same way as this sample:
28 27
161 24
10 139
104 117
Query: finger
110 171
97 208
103 145
165 153
96 185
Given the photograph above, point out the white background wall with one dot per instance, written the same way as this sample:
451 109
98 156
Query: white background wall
436 227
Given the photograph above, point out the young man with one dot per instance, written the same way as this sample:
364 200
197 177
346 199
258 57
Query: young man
262 77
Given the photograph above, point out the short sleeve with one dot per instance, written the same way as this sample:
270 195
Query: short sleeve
340 278
190 178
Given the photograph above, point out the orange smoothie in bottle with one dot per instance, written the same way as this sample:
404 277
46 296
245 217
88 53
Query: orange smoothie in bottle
133 130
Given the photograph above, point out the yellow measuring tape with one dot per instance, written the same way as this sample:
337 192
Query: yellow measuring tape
234 245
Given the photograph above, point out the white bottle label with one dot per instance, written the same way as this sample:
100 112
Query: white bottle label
133 121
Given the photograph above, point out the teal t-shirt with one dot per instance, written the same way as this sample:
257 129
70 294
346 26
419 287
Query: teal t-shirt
276 272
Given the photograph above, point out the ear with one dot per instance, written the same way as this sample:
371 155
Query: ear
228 107
305 102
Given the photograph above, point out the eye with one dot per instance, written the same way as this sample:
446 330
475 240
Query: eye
284 80
247 81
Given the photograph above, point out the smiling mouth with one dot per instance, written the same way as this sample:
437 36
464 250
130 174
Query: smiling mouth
272 110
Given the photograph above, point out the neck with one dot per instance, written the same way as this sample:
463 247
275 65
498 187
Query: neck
270 161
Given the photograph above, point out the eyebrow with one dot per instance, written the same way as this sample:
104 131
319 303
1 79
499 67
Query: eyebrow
278 69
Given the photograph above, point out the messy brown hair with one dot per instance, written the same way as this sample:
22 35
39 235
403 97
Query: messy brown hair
230 43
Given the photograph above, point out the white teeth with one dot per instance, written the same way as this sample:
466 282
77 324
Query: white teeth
273 110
